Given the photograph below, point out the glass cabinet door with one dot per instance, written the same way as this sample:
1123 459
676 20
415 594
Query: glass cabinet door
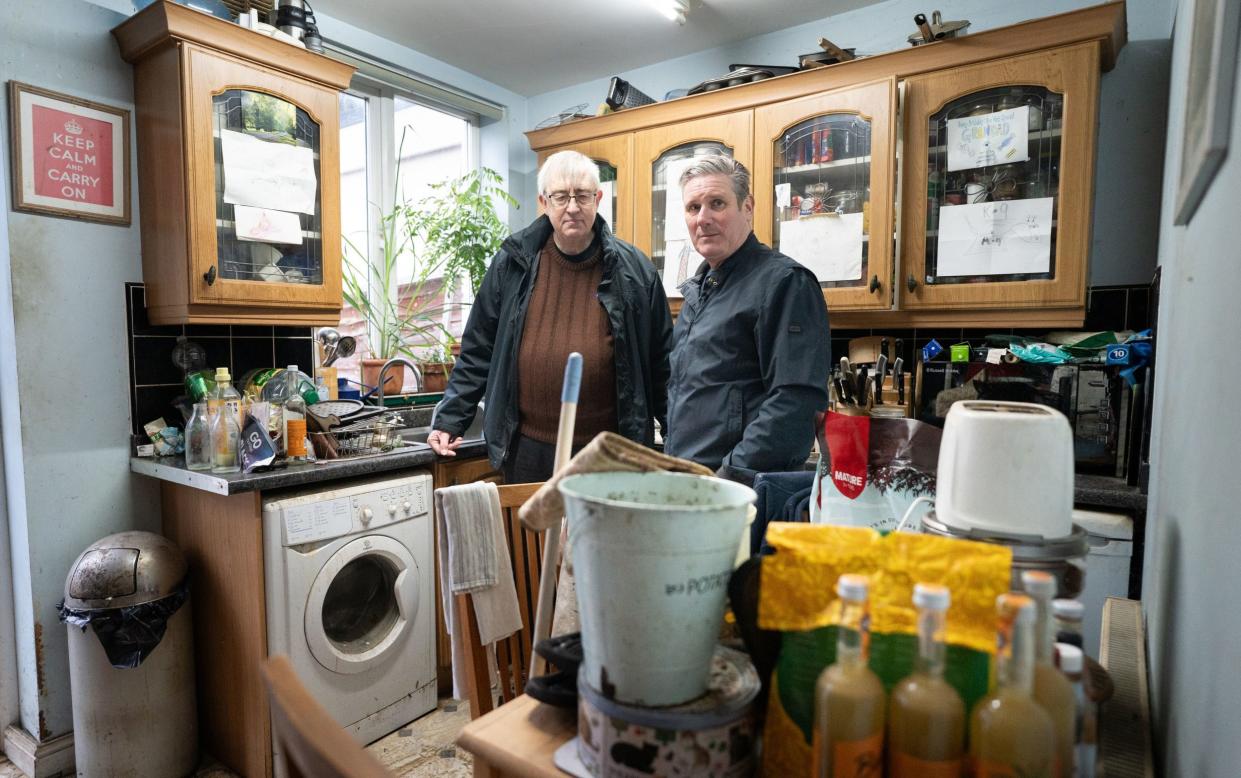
999 209
614 156
824 189
661 156
268 213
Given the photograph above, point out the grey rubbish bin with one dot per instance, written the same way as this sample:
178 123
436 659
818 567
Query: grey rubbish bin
131 658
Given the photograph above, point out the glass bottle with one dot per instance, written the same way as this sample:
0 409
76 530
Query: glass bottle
926 719
198 451
1069 614
225 409
1086 730
848 697
294 416
1010 733
1051 689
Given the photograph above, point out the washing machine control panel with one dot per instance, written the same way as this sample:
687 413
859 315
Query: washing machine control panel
394 503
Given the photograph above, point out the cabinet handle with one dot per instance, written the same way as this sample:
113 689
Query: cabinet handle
209 276
911 283
874 284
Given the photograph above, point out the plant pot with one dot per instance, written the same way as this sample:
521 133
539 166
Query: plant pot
435 375
394 381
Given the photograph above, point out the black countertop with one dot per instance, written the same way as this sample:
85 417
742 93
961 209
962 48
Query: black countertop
173 469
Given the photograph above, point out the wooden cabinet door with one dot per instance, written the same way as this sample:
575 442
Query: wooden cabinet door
824 189
222 93
1009 233
614 154
659 149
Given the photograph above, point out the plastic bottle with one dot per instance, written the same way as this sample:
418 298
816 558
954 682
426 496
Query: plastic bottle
849 699
1010 733
294 417
198 450
1086 731
926 718
1051 689
225 409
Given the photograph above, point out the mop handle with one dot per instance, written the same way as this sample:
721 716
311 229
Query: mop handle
551 536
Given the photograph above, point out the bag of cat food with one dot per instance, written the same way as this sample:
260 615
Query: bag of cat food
797 598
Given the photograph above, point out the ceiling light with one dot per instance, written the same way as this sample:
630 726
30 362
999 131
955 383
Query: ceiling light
673 10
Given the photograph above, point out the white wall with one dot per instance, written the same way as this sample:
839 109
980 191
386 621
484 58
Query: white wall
1131 116
1193 535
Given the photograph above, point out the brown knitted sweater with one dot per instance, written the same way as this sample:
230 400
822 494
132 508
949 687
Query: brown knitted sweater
564 316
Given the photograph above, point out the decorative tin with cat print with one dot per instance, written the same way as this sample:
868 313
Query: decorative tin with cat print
712 736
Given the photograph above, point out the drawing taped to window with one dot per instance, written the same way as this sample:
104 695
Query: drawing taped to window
1000 238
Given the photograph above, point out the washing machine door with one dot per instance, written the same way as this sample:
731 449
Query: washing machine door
363 603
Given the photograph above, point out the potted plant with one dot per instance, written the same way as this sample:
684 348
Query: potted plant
454 231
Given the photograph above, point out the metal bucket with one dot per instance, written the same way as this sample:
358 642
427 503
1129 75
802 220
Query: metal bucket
652 555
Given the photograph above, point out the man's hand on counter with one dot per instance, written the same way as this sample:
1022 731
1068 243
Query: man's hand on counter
440 443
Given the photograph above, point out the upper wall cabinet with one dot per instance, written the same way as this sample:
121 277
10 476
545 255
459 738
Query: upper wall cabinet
238 170
980 216
614 155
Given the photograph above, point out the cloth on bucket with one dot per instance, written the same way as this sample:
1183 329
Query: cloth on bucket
607 452
472 551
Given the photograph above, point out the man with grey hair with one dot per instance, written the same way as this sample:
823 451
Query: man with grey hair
752 352
563 284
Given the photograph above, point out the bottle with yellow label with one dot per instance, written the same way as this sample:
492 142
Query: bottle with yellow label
926 717
1011 736
294 418
849 699
1052 689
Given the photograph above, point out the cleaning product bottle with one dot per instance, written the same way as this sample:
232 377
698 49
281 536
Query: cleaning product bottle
225 409
294 417
1086 729
1010 733
926 717
1051 689
849 699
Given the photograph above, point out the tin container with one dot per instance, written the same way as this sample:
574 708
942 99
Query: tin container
711 736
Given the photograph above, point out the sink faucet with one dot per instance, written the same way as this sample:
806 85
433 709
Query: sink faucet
383 371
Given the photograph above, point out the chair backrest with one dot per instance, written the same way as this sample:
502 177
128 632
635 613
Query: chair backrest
311 742
525 549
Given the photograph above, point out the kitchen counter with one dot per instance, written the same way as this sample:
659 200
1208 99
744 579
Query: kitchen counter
173 469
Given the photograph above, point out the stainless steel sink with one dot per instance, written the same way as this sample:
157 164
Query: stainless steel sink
419 434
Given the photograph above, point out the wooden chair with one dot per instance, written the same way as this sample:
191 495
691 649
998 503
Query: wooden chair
513 654
312 743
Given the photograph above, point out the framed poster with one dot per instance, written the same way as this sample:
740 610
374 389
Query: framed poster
70 156
1208 100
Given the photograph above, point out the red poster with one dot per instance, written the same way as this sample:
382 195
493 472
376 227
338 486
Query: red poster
72 156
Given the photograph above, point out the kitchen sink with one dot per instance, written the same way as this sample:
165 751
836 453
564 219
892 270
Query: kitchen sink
419 434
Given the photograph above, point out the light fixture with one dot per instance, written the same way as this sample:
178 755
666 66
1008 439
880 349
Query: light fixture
673 10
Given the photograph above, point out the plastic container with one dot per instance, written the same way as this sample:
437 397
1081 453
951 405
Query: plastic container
131 658
1006 467
652 555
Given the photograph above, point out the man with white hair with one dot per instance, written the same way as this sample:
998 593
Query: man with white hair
752 349
563 284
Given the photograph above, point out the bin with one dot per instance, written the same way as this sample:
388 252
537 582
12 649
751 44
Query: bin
1107 568
131 660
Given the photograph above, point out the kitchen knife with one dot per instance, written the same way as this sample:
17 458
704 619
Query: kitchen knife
883 347
881 369
898 378
862 373
846 370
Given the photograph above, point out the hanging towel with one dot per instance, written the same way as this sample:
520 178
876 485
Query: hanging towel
474 558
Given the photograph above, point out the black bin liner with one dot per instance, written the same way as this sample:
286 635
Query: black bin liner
129 634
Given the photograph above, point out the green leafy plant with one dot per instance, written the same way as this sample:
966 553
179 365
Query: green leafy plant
458 226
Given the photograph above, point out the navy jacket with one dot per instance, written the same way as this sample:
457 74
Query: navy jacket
750 362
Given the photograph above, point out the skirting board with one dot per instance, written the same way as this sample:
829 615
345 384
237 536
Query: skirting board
39 760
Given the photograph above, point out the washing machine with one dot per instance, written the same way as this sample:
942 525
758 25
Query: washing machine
350 598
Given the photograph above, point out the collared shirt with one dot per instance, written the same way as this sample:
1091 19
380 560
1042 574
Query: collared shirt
750 362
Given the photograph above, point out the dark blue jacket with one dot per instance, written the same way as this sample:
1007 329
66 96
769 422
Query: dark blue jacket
750 363
631 293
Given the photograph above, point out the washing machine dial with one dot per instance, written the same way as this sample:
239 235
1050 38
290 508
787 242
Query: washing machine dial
367 515
392 509
408 507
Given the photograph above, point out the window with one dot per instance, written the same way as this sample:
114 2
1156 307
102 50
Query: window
394 147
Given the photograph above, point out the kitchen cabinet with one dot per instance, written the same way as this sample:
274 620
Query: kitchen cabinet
453 472
829 136
829 160
238 146
614 155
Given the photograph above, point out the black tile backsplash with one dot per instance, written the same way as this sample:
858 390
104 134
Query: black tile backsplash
155 382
